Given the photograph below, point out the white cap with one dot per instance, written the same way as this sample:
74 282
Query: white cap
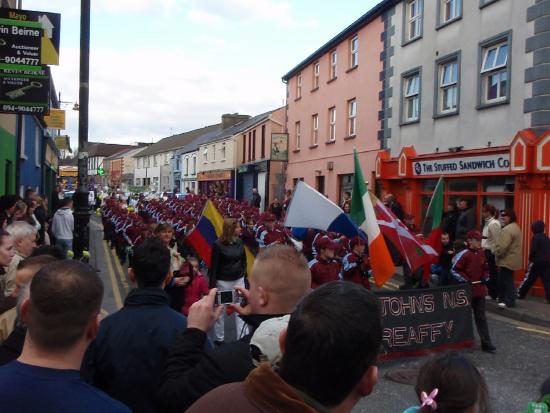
264 345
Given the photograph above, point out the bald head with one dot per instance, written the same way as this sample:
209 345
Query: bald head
280 279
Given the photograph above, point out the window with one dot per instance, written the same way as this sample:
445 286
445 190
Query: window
166 157
194 170
205 155
352 117
223 152
333 65
140 163
156 160
413 20
495 70
316 74
332 124
298 132
213 152
187 165
249 146
315 129
254 144
448 87
354 52
244 147
411 97
299 86
263 142
449 10
178 163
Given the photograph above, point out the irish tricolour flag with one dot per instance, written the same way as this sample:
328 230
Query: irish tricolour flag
362 213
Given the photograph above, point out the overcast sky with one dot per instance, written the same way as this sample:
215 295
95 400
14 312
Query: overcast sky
161 67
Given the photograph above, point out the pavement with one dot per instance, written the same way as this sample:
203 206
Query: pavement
532 310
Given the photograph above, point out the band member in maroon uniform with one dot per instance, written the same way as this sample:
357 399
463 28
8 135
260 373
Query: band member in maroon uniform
356 264
324 268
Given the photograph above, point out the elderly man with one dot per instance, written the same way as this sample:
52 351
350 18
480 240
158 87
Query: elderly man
24 240
280 279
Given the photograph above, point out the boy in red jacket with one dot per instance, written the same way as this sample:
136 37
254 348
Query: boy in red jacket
471 267
356 263
197 286
324 268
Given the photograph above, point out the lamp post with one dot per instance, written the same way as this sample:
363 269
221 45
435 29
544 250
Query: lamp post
81 203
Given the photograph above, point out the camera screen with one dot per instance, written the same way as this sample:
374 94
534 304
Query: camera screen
226 297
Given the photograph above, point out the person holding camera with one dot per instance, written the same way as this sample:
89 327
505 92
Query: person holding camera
280 279
228 269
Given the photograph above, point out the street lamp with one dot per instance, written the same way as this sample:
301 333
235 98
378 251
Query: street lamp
81 204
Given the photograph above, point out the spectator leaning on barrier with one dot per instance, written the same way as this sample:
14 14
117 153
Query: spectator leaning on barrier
132 345
508 252
24 241
62 317
329 358
280 279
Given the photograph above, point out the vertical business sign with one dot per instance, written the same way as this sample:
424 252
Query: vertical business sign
279 146
50 23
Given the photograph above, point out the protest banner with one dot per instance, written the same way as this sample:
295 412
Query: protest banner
418 322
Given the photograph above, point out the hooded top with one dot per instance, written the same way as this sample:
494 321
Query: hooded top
540 244
63 224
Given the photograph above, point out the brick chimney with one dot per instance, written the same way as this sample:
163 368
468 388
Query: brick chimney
231 119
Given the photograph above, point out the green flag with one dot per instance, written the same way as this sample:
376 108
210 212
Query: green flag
357 212
434 215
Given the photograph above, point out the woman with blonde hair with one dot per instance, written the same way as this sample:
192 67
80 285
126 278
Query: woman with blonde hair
174 289
228 269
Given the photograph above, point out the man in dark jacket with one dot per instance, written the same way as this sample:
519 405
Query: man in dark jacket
256 198
539 262
466 219
280 279
327 365
132 345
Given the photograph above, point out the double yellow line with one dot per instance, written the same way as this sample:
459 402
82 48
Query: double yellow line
111 258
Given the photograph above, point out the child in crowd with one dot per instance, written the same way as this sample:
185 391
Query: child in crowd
197 286
450 383
471 267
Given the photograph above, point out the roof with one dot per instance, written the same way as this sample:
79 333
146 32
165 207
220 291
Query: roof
221 134
343 35
125 153
105 149
176 141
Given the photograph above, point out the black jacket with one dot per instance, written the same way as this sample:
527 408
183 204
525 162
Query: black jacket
540 244
228 261
445 259
256 200
191 371
448 223
12 346
129 352
466 222
397 210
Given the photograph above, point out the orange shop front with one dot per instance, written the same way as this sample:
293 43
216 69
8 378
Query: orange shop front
515 176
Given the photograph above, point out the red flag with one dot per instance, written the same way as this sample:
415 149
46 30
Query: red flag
415 252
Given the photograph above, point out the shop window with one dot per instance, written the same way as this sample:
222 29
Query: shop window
498 184
499 202
462 185
429 185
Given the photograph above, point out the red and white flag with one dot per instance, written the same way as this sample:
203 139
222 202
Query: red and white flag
415 252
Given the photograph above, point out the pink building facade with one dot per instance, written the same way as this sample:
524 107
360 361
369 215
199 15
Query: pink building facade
333 106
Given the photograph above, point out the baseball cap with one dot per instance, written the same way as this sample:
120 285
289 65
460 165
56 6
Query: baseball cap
326 243
474 235
264 345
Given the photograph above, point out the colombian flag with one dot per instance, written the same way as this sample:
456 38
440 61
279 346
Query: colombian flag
208 230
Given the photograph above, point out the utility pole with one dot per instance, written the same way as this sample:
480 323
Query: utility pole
81 204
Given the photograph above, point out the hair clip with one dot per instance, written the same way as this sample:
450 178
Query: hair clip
429 400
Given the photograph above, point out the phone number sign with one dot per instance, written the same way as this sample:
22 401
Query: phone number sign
20 44
25 92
